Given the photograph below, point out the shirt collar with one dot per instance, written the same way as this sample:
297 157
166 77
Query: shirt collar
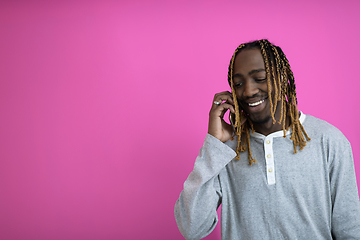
278 133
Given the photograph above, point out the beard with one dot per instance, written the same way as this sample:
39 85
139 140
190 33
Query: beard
260 121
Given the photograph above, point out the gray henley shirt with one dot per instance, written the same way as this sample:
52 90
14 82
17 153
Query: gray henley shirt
311 194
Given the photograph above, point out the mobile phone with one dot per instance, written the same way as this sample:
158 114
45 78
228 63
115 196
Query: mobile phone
232 119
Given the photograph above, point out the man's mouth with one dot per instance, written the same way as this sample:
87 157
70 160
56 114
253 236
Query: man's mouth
256 103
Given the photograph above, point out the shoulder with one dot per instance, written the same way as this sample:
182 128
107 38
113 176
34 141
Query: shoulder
319 128
326 136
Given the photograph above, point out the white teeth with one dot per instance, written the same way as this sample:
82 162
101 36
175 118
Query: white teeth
256 103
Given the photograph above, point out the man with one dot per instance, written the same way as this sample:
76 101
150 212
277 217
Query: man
278 173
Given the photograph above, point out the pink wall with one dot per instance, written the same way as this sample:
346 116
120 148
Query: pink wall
104 104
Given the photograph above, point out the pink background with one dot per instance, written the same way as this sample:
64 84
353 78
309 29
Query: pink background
104 104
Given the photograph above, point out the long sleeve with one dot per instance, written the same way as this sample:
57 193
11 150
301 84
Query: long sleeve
344 192
315 195
195 210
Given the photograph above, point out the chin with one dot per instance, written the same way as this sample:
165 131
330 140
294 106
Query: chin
260 119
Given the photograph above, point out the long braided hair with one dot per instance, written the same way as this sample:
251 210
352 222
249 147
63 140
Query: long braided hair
280 76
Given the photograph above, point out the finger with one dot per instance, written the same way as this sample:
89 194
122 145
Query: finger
221 105
217 103
223 97
222 100
222 93
221 110
227 106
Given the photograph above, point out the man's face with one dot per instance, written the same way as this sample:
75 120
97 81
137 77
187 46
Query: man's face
250 83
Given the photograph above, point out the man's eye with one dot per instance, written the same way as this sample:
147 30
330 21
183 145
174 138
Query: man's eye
239 84
260 79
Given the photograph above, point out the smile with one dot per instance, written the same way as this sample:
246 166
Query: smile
256 103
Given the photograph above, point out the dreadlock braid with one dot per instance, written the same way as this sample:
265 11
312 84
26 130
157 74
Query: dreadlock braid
281 78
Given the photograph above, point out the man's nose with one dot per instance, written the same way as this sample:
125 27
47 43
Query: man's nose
250 89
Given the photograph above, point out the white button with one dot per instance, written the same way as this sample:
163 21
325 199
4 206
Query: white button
270 169
268 156
268 142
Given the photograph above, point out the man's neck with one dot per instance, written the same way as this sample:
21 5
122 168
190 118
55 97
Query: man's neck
268 127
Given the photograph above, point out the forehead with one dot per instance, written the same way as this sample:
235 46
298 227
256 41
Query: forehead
247 60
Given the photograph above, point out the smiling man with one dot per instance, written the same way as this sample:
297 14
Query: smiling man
271 180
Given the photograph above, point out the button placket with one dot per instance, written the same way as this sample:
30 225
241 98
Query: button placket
269 157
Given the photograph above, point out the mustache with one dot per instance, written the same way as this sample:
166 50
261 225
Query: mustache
257 95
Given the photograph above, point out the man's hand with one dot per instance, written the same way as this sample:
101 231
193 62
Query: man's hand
217 126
